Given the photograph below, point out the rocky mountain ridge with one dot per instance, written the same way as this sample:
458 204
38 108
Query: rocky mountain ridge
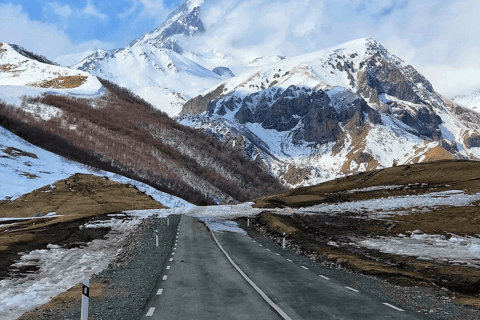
338 111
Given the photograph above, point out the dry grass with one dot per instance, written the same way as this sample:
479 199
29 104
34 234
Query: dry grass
79 196
438 176
14 152
7 67
67 82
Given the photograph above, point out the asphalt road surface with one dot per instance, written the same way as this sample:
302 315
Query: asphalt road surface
226 275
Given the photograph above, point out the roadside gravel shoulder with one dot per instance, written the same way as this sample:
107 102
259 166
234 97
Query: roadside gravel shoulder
121 291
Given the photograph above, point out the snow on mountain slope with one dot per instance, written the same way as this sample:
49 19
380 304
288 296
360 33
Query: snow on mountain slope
160 76
349 108
21 75
471 101
72 59
27 167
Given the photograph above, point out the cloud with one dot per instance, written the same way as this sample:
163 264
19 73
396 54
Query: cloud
62 11
91 10
39 37
432 35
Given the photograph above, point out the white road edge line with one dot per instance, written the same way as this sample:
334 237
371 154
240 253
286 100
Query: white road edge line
159 292
393 307
304 267
326 278
260 292
351 289
150 312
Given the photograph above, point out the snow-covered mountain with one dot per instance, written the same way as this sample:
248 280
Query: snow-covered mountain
471 101
156 66
24 73
346 109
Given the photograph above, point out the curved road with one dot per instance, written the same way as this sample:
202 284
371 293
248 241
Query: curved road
225 275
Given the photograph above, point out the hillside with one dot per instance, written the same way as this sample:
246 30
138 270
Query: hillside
338 111
413 225
119 132
25 73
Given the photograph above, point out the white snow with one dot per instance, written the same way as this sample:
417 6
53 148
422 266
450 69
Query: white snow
219 225
456 250
396 205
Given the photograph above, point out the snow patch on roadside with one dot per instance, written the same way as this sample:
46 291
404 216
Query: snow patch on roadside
59 269
456 250
392 205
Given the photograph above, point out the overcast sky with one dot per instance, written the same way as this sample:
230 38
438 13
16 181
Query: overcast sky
440 38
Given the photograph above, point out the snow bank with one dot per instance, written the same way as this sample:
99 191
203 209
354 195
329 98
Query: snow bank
395 205
456 250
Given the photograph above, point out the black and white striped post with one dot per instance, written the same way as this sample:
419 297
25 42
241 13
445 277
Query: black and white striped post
85 297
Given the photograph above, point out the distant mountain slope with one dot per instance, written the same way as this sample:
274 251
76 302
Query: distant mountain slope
25 73
471 101
350 108
121 133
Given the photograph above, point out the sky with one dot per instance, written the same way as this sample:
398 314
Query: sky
440 38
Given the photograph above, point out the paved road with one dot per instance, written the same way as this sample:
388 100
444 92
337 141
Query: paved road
201 282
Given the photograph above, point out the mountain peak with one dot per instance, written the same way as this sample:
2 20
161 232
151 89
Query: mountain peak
182 21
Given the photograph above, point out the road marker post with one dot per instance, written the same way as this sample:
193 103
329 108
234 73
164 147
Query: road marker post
156 237
85 298
168 221
248 222
283 241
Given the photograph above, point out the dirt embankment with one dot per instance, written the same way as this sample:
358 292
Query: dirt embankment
75 200
319 235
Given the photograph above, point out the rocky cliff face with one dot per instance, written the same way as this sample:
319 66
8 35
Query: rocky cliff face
342 110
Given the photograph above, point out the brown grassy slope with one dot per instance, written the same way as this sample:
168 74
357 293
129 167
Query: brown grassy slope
121 133
438 176
78 199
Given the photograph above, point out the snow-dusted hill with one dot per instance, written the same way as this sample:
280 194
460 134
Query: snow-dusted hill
21 74
346 109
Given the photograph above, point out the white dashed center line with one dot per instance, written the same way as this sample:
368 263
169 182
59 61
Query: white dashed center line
277 254
173 253
269 250
171 259
150 312
168 267
304 267
326 278
164 278
393 307
159 292
351 289
289 260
